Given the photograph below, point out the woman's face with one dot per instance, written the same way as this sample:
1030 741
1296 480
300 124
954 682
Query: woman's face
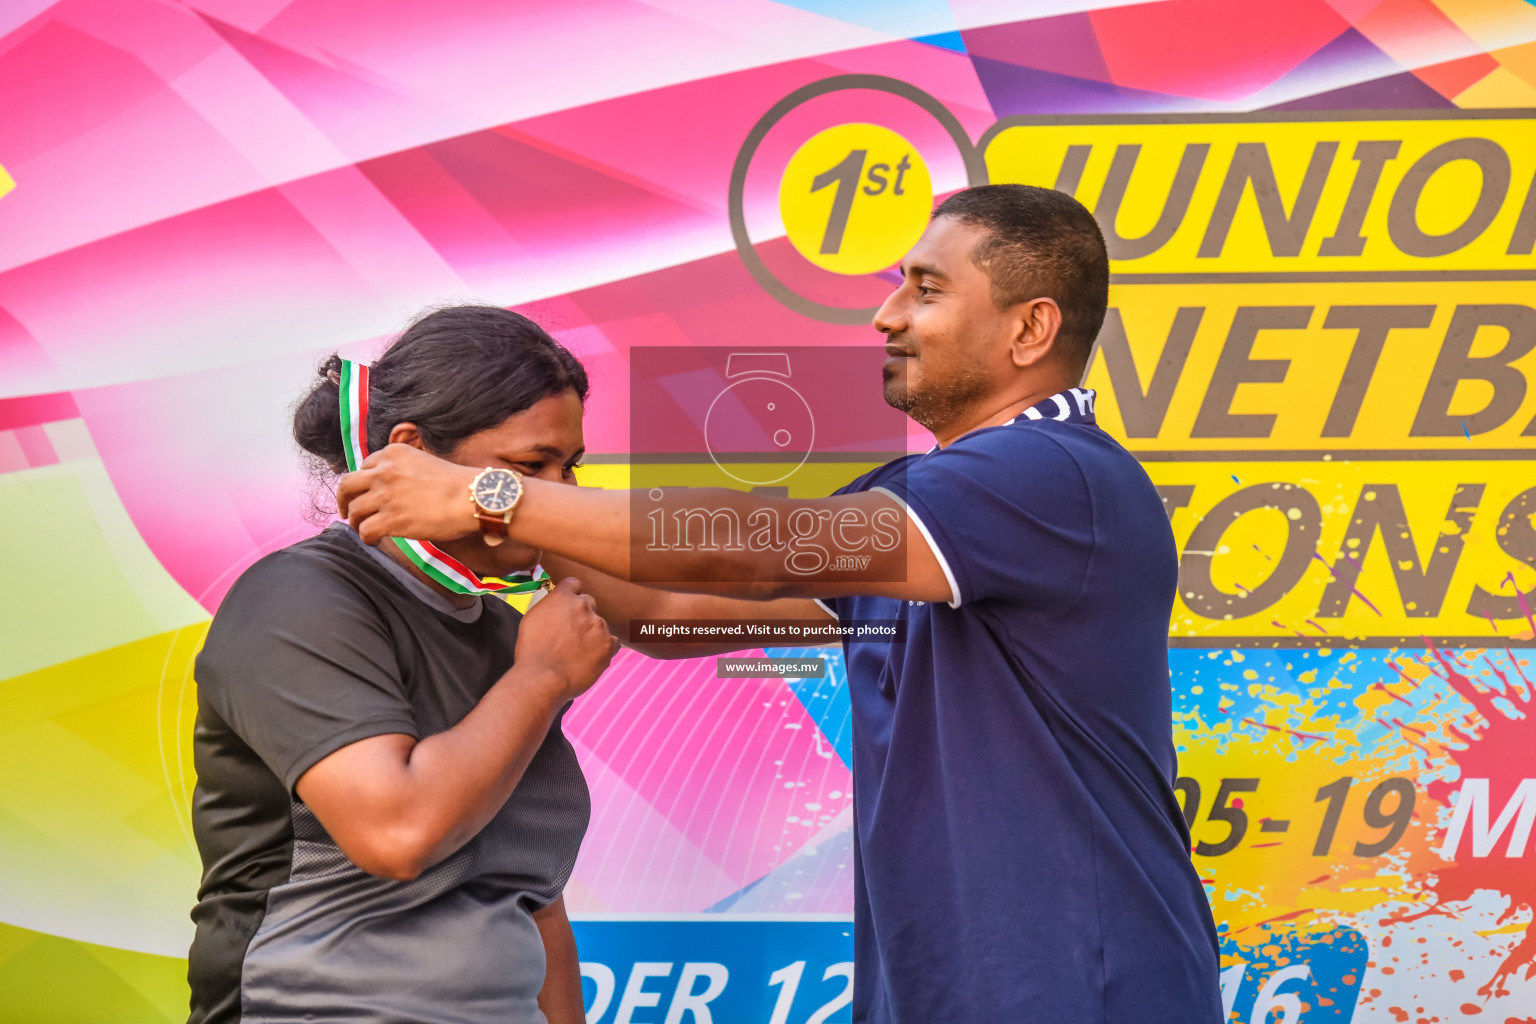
543 441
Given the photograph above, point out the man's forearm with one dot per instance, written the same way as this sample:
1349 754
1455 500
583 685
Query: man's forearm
595 527
718 541
703 540
671 539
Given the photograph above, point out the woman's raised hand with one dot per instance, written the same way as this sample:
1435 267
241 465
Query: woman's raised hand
563 635
402 491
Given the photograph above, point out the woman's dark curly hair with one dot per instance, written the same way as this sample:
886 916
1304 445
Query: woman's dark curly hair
454 372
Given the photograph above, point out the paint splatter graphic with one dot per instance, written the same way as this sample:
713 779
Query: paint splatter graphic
1338 774
1497 745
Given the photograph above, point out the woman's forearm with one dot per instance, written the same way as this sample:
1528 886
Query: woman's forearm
396 806
460 778
561 998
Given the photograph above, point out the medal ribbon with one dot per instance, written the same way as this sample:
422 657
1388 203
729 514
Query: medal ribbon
440 566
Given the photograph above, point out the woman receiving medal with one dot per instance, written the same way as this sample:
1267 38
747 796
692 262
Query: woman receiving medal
387 809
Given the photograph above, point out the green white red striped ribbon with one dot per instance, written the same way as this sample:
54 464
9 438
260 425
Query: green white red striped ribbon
440 566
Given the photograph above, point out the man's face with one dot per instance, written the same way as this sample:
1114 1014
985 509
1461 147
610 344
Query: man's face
946 341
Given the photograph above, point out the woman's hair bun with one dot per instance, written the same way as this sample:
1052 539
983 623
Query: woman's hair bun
317 419
330 370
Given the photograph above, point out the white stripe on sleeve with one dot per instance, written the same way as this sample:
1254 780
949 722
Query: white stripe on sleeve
954 588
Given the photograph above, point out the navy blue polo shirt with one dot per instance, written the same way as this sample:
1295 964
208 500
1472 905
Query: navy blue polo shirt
1020 855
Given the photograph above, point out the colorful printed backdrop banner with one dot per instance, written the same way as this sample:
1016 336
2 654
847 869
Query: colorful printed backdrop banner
1321 216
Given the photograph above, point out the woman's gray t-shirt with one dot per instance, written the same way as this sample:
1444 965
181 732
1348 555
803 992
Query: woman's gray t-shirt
317 646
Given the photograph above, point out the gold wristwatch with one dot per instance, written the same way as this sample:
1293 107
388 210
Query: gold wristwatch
494 494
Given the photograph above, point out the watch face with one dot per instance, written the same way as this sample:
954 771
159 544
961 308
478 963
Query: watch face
496 490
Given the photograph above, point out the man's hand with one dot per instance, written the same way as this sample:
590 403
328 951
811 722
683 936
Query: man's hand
402 491
564 636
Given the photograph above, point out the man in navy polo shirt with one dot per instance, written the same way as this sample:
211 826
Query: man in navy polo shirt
1020 853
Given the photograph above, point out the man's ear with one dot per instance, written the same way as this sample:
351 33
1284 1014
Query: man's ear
406 433
1036 324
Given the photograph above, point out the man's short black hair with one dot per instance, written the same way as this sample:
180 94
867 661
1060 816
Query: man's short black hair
1043 243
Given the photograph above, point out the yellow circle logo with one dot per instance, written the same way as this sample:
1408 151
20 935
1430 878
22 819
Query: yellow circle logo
855 198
